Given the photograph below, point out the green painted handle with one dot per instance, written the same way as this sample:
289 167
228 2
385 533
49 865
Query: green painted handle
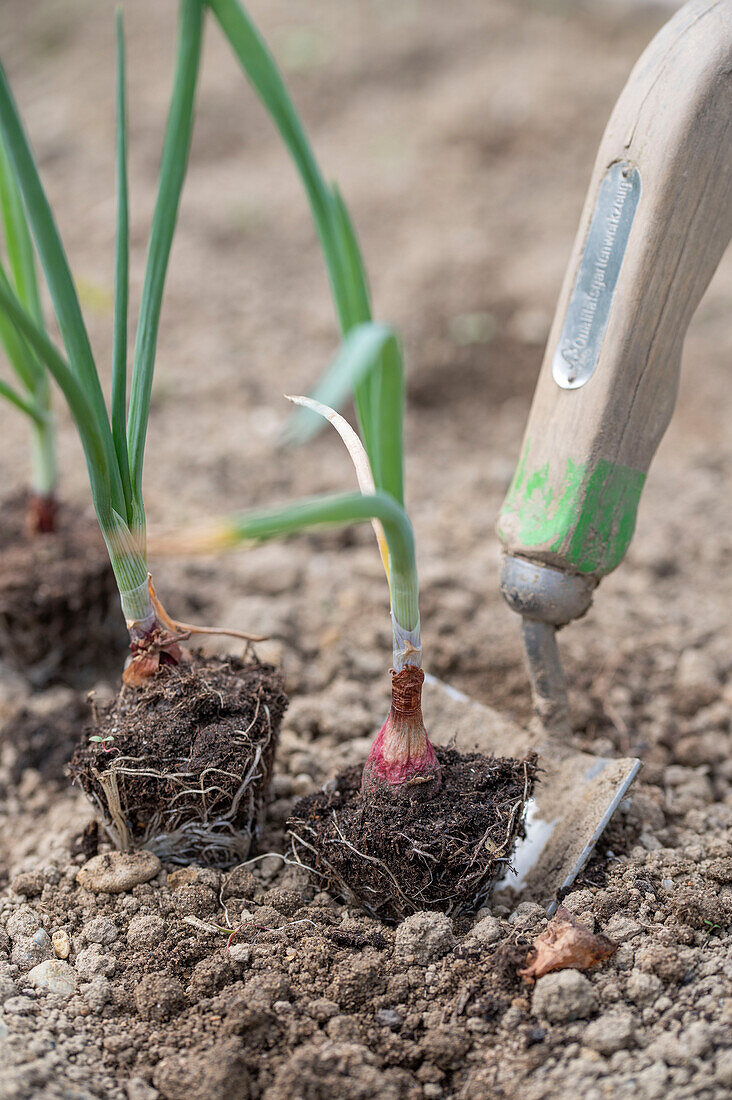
584 524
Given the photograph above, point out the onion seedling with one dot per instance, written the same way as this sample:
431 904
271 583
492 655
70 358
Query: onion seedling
414 828
370 368
114 441
189 766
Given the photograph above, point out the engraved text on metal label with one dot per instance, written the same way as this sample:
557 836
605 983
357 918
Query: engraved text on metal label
589 306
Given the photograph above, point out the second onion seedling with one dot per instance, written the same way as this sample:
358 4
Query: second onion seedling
193 740
414 828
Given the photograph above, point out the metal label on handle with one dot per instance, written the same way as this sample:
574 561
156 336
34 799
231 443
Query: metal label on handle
594 289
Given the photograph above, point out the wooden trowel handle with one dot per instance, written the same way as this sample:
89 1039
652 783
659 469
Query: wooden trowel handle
657 219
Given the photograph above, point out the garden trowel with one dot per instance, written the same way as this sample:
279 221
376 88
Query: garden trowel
657 219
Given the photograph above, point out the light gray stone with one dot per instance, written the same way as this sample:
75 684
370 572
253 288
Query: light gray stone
423 937
487 930
92 961
145 930
240 953
621 928
116 872
101 930
29 951
23 923
564 995
53 976
610 1032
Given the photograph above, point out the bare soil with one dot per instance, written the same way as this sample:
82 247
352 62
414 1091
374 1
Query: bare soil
59 605
463 136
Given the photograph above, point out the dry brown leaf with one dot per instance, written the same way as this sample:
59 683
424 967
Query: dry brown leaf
566 942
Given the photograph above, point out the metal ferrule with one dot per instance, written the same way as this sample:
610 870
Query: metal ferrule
546 599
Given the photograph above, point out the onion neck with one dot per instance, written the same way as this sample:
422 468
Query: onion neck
41 513
152 644
402 760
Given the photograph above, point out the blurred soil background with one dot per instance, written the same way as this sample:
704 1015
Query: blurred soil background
462 136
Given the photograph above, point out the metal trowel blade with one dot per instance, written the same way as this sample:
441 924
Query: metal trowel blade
573 801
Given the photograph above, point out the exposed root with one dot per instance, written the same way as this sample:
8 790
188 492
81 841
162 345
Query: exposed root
191 825
186 630
160 646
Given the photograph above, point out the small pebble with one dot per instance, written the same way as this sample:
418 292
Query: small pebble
388 1017
61 945
269 866
240 953
53 976
29 951
101 930
91 961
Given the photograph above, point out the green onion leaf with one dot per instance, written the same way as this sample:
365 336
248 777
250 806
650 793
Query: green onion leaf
29 371
60 283
387 401
339 510
172 174
121 279
26 405
18 240
92 439
344 262
358 356
260 67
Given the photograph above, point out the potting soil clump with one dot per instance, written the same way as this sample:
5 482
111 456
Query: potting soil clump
182 766
396 857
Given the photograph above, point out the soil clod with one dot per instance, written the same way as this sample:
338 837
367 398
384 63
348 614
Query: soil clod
396 858
182 765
